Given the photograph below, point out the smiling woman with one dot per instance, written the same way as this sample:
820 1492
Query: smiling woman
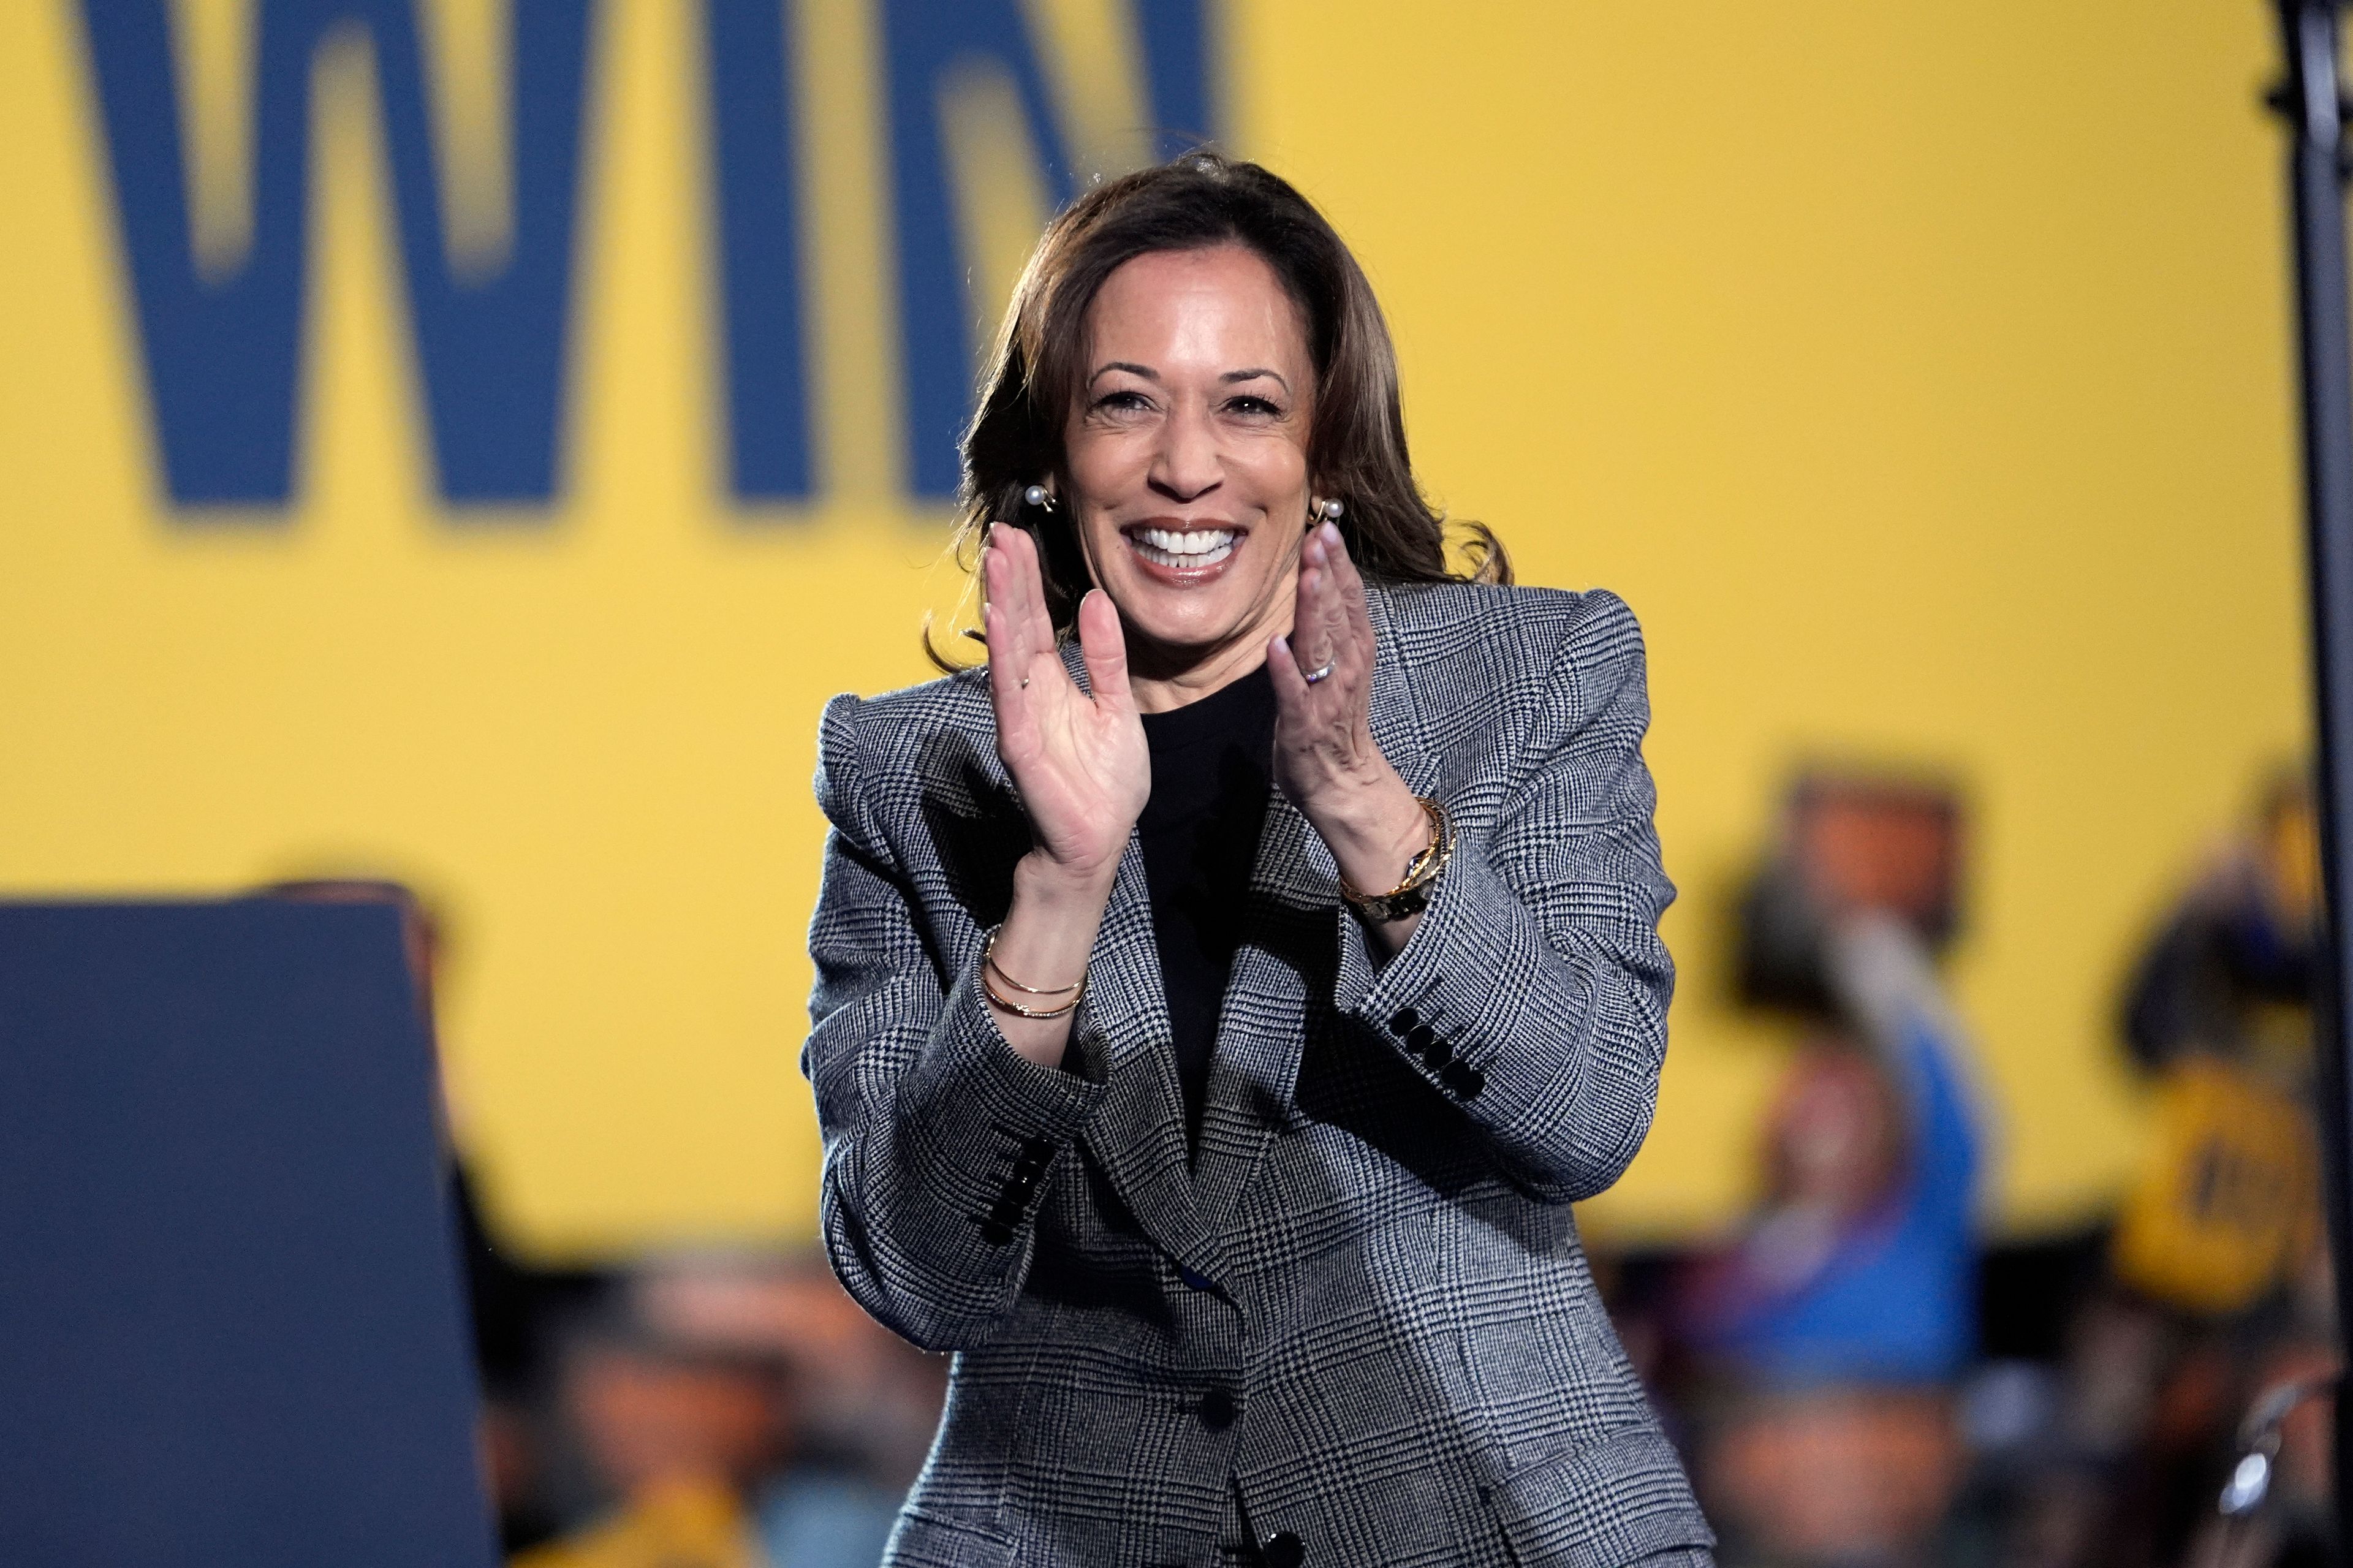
1241 1189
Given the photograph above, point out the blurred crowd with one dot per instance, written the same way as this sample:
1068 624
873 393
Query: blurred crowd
1860 1375
704 1410
1856 1372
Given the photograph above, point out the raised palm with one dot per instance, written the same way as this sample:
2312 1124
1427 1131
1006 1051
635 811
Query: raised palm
1078 758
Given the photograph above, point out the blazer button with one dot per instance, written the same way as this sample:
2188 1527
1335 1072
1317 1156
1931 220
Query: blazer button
1284 1550
1464 1079
1219 1410
1404 1019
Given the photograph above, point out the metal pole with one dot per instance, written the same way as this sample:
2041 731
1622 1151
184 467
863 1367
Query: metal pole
2316 114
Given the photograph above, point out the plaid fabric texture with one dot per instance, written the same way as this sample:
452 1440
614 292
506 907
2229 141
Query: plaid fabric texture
1356 1325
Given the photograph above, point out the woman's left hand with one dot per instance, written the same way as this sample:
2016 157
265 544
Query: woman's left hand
1325 758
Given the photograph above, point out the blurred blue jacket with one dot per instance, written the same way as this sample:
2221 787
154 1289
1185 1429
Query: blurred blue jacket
1893 1299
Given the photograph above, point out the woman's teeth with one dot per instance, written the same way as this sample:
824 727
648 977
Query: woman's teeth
1193 547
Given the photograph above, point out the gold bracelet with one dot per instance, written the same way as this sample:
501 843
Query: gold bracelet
988 961
1411 895
1007 1004
1077 988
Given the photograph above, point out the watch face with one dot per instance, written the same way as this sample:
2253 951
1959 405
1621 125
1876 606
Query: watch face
1405 905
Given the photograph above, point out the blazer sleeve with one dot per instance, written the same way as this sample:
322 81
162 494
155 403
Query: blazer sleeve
938 1136
1534 994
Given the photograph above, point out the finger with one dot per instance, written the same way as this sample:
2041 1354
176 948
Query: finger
1314 578
1000 623
1005 583
1339 627
1291 693
1349 581
1037 625
1304 600
1303 709
1014 721
1338 619
1313 626
1103 644
1012 643
994 632
992 598
1018 583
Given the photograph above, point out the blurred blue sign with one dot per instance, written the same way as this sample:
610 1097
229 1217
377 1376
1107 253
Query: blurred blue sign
223 347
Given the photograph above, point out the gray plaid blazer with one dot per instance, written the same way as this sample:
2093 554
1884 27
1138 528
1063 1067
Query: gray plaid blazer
1356 1326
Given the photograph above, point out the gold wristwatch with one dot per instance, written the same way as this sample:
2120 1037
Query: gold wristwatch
1411 895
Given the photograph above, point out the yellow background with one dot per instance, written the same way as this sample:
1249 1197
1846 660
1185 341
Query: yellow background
1919 373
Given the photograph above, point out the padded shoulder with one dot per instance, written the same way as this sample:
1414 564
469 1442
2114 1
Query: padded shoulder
862 740
1438 618
894 725
1469 636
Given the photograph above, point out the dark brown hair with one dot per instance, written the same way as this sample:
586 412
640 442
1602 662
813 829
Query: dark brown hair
1356 448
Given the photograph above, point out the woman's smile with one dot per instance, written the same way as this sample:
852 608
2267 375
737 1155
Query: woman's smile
1183 554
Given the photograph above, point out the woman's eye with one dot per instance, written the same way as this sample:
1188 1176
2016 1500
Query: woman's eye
1254 408
1123 401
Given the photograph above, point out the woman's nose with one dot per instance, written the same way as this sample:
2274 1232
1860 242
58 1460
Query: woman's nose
1188 465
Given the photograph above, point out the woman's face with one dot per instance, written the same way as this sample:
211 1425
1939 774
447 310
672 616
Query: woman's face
1186 454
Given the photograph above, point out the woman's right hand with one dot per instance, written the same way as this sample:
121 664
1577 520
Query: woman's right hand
1078 760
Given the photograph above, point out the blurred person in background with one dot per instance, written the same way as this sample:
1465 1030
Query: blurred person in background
864 1403
672 1438
736 1410
2218 1285
1829 1339
1222 995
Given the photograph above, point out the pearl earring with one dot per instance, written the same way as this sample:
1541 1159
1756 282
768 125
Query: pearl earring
1325 511
1039 496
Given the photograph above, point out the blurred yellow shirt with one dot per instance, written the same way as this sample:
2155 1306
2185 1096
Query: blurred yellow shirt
685 1524
2229 1199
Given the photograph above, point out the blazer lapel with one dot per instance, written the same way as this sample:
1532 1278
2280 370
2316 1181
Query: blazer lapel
1285 956
1288 961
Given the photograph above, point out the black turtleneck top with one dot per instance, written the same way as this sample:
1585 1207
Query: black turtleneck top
1211 768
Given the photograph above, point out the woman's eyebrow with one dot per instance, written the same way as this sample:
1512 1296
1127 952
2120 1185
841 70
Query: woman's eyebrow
1145 371
1234 375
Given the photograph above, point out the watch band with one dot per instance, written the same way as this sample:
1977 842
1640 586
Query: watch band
1411 895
